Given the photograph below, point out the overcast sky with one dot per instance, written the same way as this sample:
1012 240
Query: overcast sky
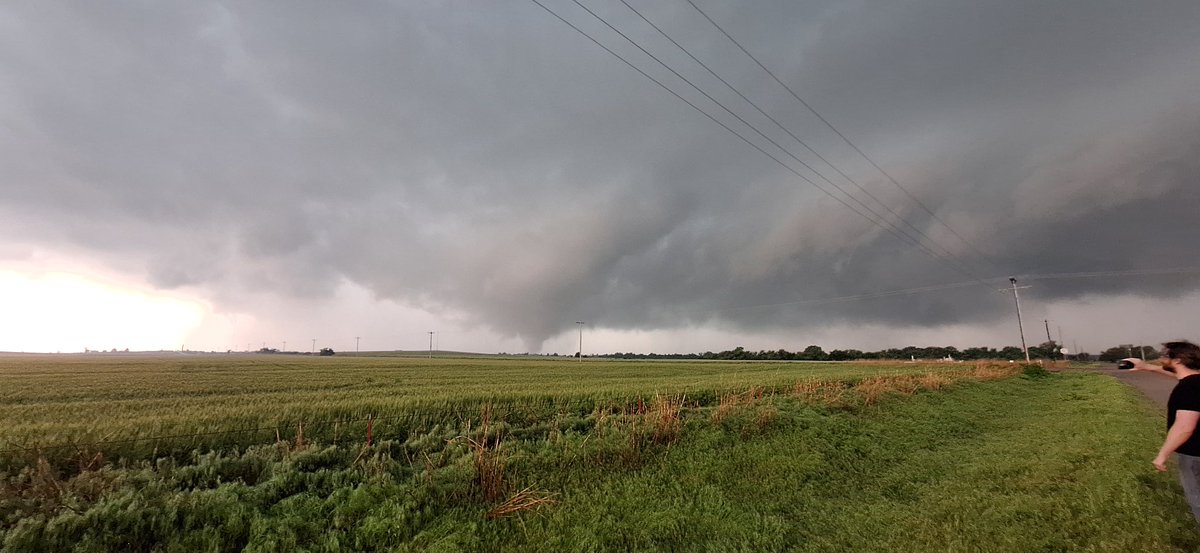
326 170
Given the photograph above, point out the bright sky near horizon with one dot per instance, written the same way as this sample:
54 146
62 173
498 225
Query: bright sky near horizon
228 176
62 312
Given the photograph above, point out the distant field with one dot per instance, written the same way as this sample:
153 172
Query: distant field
522 455
47 400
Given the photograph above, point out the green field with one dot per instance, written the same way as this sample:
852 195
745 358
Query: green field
84 399
525 455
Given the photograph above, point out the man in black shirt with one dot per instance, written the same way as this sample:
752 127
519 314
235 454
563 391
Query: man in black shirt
1181 360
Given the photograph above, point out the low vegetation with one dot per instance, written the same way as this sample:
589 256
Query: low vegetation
761 458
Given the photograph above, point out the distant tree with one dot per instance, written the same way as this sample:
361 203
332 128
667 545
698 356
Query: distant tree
979 353
326 351
1012 353
813 353
1046 350
845 355
1115 353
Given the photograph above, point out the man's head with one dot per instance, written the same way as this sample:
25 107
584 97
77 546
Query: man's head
1180 354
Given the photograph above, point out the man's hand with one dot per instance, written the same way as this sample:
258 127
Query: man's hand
1160 463
1138 364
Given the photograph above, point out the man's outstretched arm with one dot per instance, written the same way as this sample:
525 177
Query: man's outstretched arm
1142 366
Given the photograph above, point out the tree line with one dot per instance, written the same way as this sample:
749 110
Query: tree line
1046 350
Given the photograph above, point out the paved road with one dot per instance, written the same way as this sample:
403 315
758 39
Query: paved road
1156 386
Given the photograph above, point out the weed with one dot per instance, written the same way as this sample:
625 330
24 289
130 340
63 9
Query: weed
488 458
1034 371
523 500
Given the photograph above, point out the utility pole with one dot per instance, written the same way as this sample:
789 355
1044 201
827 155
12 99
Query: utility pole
284 345
1020 325
431 344
314 346
1048 338
356 339
580 323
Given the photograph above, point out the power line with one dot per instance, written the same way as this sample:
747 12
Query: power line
1099 274
843 136
789 132
895 231
949 286
854 297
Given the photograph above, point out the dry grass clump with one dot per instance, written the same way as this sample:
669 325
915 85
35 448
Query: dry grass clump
989 370
829 392
873 388
664 418
933 381
487 457
523 500
729 402
726 404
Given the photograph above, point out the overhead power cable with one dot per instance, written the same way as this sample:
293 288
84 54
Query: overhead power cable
895 231
1099 274
783 128
887 175
944 255
853 297
948 286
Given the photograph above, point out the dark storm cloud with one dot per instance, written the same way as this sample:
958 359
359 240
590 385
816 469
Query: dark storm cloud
485 158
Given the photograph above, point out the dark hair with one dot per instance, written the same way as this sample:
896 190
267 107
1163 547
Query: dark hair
1186 352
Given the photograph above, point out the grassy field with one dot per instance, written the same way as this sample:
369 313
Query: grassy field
517 455
83 399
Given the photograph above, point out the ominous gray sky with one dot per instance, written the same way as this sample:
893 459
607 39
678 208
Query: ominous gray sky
383 168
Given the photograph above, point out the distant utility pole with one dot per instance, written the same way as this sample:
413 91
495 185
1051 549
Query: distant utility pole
1048 338
356 339
580 323
431 344
1020 325
285 345
314 346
